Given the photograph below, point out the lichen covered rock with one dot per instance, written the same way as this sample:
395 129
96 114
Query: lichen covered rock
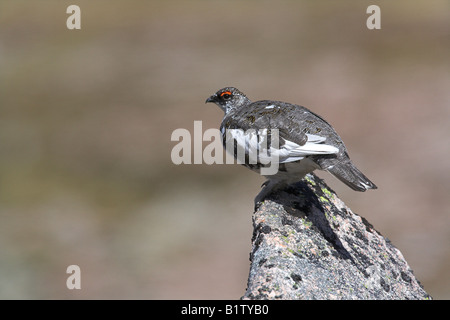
307 244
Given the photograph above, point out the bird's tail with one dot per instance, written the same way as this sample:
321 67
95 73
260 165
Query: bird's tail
351 176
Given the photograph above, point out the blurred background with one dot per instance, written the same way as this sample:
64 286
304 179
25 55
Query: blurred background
86 118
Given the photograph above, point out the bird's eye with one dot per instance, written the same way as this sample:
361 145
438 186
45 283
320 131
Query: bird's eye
226 95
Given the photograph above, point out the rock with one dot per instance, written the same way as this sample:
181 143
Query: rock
307 244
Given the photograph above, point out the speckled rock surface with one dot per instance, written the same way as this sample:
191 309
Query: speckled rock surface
307 244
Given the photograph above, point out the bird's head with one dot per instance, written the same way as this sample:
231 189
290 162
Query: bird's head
229 98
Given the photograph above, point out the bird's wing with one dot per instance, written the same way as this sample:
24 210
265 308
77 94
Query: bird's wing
256 135
261 146
291 151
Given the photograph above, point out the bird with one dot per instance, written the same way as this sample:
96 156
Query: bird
304 141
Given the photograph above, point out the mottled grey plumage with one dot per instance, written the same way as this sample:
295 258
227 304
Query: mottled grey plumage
308 141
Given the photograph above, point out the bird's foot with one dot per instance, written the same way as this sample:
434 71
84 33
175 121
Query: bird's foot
269 187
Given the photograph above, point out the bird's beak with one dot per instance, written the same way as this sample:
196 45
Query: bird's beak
211 99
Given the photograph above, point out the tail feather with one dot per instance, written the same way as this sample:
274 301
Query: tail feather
351 176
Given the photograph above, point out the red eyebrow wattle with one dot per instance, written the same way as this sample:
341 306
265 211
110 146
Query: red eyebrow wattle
224 93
